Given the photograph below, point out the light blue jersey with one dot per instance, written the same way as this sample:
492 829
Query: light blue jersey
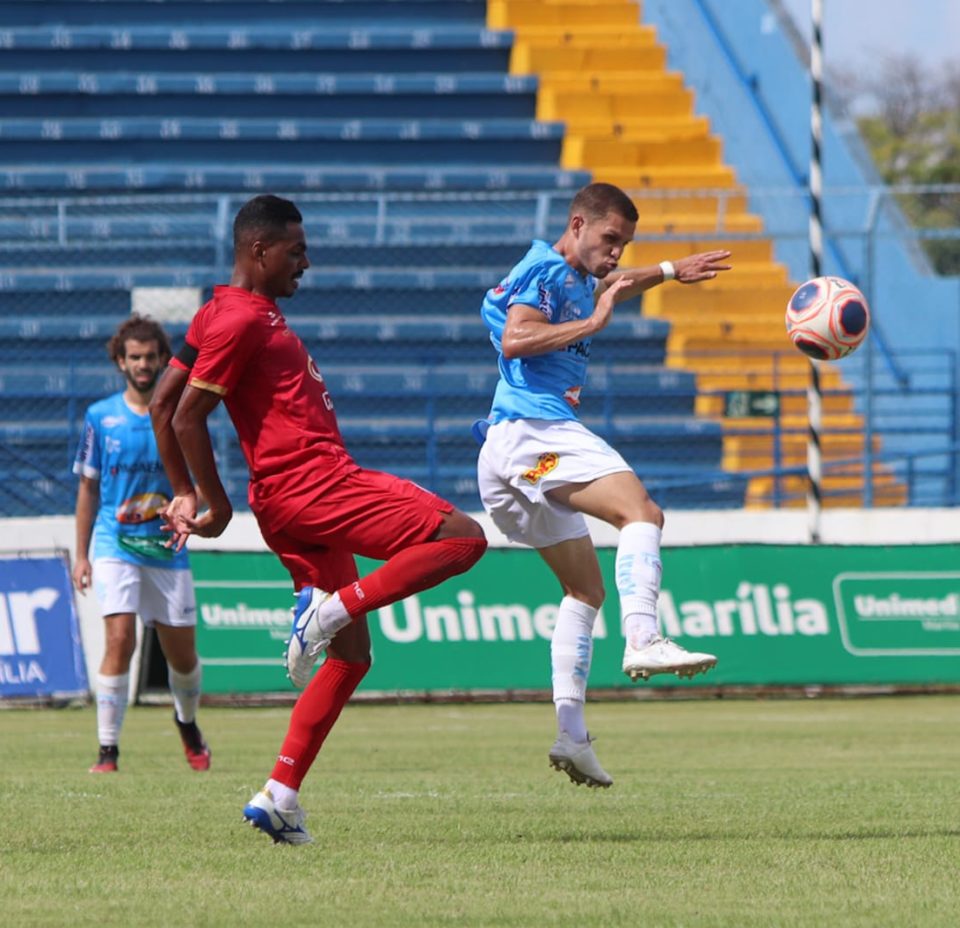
118 449
545 386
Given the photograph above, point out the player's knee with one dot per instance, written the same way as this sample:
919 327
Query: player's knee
469 550
655 514
591 594
458 524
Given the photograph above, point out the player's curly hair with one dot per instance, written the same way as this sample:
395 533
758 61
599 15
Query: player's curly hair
596 200
140 329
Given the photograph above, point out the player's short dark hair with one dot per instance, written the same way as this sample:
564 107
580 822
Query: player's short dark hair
265 217
596 200
139 329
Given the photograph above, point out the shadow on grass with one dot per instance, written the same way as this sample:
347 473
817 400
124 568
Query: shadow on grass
673 837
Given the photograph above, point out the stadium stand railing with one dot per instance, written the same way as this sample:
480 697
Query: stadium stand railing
426 142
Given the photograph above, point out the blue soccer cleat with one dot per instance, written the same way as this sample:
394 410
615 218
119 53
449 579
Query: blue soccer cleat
307 640
285 826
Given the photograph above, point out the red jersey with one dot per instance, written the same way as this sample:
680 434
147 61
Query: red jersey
276 398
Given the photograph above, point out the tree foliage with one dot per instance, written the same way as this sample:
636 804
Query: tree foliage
909 118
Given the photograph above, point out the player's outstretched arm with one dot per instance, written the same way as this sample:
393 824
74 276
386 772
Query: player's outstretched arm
688 270
704 266
193 436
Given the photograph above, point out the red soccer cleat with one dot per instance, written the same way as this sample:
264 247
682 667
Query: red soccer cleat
107 760
194 747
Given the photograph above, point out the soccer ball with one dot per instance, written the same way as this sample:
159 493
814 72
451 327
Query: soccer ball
827 318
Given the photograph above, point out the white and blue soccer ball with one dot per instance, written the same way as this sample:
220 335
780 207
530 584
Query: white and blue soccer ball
827 318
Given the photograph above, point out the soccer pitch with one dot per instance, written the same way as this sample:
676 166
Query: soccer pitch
723 813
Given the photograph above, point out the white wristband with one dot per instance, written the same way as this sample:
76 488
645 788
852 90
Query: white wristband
668 270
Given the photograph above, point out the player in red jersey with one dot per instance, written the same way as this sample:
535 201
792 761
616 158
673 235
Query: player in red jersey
315 506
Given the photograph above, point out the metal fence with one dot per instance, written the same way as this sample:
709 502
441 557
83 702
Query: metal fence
390 312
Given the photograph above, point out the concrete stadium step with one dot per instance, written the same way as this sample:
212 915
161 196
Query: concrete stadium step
725 332
606 81
245 95
752 250
584 151
239 12
698 224
779 372
665 176
719 299
587 35
755 364
519 14
256 177
643 103
635 127
682 344
838 492
530 57
754 451
312 49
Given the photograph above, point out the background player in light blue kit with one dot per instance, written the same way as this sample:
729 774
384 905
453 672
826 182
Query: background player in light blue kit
540 469
122 491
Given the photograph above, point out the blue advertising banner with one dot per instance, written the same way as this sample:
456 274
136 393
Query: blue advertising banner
40 649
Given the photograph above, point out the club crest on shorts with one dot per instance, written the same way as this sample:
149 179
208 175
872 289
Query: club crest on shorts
547 462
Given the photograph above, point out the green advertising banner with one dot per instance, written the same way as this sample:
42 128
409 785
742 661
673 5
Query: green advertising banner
773 615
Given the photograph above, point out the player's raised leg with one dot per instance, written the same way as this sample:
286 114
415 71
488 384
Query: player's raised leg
422 539
622 500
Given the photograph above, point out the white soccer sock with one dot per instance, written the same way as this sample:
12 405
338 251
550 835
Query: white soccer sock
571 650
332 615
284 797
185 688
112 695
638 573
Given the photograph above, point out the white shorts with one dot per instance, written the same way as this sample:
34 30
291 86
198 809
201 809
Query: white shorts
522 459
156 594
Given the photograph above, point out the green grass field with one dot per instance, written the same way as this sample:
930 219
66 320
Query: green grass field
724 813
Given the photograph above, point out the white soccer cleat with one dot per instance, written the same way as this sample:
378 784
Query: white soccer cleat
283 825
577 760
661 655
307 640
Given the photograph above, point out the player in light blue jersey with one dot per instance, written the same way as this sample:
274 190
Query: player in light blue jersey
123 489
540 470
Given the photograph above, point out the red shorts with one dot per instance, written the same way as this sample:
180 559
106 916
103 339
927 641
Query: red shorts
369 513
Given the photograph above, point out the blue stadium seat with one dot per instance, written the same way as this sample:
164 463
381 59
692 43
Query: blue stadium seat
243 95
309 47
365 102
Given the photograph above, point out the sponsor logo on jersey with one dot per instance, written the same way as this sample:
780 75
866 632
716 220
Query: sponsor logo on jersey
144 507
572 396
313 370
547 462
545 304
110 422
